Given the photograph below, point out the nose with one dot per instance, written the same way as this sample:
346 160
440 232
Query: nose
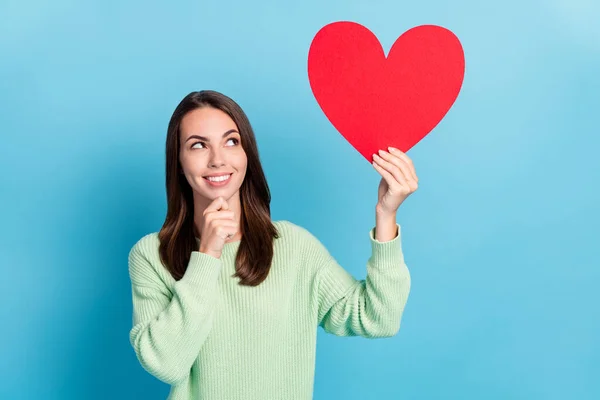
216 158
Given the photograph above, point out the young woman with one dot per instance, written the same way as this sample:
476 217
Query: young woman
226 302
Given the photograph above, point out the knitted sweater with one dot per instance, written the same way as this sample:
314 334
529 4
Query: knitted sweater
212 339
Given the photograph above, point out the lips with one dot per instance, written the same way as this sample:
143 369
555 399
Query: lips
218 183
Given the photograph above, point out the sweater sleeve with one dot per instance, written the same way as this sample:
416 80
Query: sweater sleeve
170 325
372 307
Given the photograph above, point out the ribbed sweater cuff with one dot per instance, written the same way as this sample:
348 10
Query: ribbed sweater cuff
202 269
388 252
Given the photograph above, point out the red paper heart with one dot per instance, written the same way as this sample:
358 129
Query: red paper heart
376 102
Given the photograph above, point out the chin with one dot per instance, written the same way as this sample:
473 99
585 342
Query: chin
226 193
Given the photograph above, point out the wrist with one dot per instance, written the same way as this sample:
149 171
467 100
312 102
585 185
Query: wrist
382 214
208 252
385 226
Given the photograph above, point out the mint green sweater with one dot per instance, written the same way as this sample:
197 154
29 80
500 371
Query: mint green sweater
212 339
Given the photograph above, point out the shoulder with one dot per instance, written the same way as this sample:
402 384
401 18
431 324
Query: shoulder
146 246
300 238
144 260
290 230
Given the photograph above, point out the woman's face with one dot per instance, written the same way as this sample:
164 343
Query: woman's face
211 146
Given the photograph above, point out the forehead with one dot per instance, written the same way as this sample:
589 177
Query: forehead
206 121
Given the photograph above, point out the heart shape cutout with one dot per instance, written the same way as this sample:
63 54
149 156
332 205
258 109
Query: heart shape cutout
376 101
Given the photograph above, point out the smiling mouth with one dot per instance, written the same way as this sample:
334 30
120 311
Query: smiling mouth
218 180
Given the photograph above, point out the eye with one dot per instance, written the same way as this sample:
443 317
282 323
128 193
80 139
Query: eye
234 139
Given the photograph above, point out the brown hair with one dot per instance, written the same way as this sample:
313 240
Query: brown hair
177 235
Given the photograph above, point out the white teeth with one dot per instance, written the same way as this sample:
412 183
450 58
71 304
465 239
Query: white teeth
218 178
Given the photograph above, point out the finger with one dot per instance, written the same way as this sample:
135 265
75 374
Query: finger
398 162
215 205
394 170
222 214
224 204
391 180
408 161
226 229
386 175
226 223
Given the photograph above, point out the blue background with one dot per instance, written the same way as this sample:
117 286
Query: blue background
501 238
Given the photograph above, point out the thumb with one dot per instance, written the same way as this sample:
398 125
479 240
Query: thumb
224 205
216 205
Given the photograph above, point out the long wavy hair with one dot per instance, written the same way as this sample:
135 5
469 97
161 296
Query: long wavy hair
177 235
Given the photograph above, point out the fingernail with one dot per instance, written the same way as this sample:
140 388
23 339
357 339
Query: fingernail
375 156
382 152
392 149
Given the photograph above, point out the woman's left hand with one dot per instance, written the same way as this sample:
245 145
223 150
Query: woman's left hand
399 179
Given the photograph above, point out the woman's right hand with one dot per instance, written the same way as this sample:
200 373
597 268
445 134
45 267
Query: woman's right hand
219 224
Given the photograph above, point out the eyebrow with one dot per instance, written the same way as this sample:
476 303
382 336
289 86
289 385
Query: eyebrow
206 139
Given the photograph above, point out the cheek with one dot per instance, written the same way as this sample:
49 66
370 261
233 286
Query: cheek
239 160
191 167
